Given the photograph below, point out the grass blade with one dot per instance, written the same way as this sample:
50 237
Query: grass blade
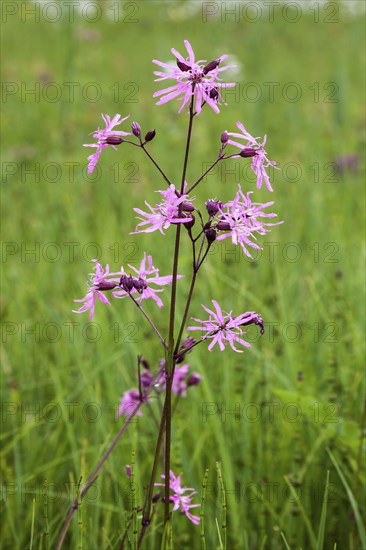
320 542
359 522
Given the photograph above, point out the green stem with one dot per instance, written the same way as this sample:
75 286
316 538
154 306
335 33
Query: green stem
170 365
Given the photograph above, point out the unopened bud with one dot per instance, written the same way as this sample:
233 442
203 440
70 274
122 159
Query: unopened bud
194 379
128 470
248 152
211 66
224 137
113 140
140 285
223 226
187 207
183 66
213 206
190 223
214 94
145 363
136 129
146 378
150 135
210 235
127 283
188 342
106 285
156 498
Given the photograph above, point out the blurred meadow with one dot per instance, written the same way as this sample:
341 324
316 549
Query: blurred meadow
280 417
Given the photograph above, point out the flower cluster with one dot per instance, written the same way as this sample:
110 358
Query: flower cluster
181 500
193 78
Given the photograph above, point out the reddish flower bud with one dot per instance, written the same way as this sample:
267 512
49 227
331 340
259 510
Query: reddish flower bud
127 283
191 223
213 206
224 137
113 140
183 66
214 94
211 66
150 135
248 152
140 285
146 378
187 207
223 226
194 379
210 235
106 285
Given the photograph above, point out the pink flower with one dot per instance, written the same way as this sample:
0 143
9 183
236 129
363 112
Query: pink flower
162 215
224 328
129 400
193 78
240 219
147 275
103 135
252 148
180 500
97 280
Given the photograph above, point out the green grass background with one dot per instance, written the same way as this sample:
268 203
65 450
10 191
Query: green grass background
315 302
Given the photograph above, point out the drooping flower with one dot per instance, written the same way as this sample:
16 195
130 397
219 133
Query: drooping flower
254 149
223 328
181 501
105 137
240 219
181 380
123 285
147 275
193 78
171 210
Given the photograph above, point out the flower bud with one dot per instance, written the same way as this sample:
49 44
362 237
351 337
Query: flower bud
187 207
188 342
213 206
190 223
223 226
140 285
144 362
136 129
128 470
106 285
214 94
194 379
183 66
146 378
248 152
150 135
210 235
127 283
113 140
156 498
211 66
224 137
